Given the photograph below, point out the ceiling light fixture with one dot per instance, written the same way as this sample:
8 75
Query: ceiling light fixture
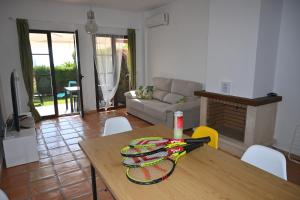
91 27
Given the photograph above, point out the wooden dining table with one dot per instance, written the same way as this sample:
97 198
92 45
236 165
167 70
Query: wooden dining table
203 174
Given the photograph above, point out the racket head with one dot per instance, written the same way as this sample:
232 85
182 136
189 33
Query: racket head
144 161
148 142
129 151
151 174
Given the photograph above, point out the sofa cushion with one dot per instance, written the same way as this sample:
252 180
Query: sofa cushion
173 98
156 109
185 88
136 104
162 83
159 94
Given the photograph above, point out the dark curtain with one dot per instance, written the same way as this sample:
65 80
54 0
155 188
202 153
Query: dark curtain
131 60
26 63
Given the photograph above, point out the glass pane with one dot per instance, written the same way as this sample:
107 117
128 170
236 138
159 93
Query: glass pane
43 93
64 57
38 43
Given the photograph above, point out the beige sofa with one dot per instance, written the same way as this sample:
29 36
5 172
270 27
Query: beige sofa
165 102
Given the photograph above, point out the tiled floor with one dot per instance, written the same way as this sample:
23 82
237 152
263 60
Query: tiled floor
63 171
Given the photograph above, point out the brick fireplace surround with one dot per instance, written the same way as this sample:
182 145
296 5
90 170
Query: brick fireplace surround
241 122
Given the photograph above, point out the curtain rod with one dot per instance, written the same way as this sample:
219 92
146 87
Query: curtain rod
69 23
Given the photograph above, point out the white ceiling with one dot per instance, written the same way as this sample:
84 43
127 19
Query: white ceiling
130 5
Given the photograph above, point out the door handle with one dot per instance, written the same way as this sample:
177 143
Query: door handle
81 76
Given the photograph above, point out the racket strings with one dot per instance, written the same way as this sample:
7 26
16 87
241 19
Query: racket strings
144 160
151 174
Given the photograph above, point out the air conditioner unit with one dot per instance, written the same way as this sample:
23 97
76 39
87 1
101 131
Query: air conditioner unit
157 20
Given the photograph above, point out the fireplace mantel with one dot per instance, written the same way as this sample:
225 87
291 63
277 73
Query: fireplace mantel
241 122
241 100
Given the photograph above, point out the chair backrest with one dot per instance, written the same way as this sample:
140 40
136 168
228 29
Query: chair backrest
116 125
3 195
266 159
204 131
72 83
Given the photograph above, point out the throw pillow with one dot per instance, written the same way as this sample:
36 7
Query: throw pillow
144 92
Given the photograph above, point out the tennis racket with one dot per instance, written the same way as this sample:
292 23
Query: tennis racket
128 151
160 141
156 173
157 157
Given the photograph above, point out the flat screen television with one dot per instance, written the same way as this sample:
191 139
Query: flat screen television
13 87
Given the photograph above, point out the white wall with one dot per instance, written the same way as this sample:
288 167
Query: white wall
287 78
270 18
232 44
66 17
179 50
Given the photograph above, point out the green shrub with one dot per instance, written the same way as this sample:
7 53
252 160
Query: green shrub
63 74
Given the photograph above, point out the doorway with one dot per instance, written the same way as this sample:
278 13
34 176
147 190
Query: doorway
57 75
111 71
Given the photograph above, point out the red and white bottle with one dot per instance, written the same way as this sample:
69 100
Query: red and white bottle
178 124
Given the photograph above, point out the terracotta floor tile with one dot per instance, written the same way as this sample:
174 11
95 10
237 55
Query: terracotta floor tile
87 171
18 193
41 147
103 195
42 173
56 144
74 147
76 190
70 135
47 130
74 140
40 164
44 185
51 134
40 141
100 184
53 139
15 180
71 178
45 126
62 158
66 167
66 126
84 162
52 195
67 131
79 154
14 170
43 154
58 151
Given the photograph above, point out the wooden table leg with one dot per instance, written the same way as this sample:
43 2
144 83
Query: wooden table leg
94 184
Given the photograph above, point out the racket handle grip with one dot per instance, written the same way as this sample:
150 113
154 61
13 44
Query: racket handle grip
198 140
191 147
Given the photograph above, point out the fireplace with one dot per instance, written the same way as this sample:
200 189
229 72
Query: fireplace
240 122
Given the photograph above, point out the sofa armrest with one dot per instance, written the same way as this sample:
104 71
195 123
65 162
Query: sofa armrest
190 105
130 94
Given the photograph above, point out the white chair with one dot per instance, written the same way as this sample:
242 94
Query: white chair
3 195
116 125
266 159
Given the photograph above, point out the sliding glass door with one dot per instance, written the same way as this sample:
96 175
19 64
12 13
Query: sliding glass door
111 72
56 73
